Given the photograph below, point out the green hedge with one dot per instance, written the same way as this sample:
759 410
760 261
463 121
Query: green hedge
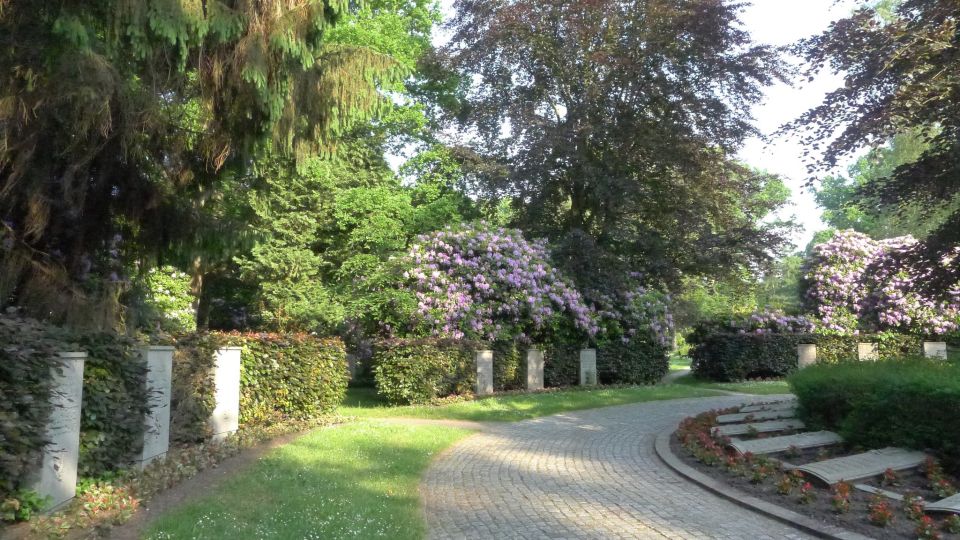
732 357
636 362
26 357
509 366
192 391
115 401
909 403
289 375
561 365
419 370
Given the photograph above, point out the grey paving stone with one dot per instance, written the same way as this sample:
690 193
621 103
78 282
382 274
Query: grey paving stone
588 474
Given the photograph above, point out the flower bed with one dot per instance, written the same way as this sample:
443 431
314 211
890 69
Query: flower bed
840 505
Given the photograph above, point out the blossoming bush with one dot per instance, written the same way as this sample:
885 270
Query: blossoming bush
488 283
859 284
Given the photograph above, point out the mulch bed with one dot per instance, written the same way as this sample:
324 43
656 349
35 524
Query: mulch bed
818 504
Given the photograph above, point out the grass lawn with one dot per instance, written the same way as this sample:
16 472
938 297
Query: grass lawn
357 480
364 402
679 362
746 387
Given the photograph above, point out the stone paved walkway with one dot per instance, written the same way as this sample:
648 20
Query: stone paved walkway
588 474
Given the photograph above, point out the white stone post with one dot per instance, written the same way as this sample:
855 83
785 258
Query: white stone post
868 352
935 350
57 477
534 369
484 361
588 367
226 380
156 437
806 355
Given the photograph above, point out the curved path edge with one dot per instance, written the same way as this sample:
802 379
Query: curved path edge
789 517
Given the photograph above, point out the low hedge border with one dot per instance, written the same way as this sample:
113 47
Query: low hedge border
417 371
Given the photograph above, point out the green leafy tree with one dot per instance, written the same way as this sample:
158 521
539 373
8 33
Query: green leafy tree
609 126
114 113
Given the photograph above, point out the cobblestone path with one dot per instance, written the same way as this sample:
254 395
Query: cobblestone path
587 474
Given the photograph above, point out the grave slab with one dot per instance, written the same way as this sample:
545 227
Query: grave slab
950 504
772 406
225 418
730 430
759 415
806 355
156 436
936 350
865 465
868 352
812 439
878 491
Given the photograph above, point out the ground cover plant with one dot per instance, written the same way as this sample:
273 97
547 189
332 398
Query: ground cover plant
355 480
762 476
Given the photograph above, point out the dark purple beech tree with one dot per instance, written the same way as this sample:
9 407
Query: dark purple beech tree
614 124
901 75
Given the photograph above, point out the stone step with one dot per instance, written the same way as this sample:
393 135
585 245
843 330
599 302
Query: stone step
950 505
772 406
759 415
730 430
865 465
811 439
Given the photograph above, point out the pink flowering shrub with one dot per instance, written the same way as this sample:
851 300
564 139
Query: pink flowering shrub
491 284
860 284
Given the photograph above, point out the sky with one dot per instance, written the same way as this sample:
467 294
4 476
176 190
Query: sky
778 22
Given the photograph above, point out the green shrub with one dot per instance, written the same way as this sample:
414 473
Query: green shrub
26 357
561 365
192 390
115 401
733 356
289 376
509 366
909 403
419 370
636 362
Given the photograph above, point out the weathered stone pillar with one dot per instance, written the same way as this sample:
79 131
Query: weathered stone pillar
936 350
57 477
156 438
534 369
868 352
484 361
806 355
226 379
588 367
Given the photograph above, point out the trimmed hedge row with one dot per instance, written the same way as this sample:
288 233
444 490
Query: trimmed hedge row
636 362
909 403
289 375
731 357
509 366
410 371
192 389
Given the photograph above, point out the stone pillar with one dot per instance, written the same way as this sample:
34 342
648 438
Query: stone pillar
806 355
588 367
868 352
156 438
57 477
226 379
935 350
484 372
534 369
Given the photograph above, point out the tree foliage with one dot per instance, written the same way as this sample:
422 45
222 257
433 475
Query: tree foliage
116 117
900 74
609 125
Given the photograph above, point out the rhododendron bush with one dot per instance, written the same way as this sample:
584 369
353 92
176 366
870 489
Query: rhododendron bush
489 283
860 284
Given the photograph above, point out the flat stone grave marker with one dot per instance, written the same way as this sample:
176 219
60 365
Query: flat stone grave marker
950 504
811 439
759 415
773 406
730 430
863 465
878 491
